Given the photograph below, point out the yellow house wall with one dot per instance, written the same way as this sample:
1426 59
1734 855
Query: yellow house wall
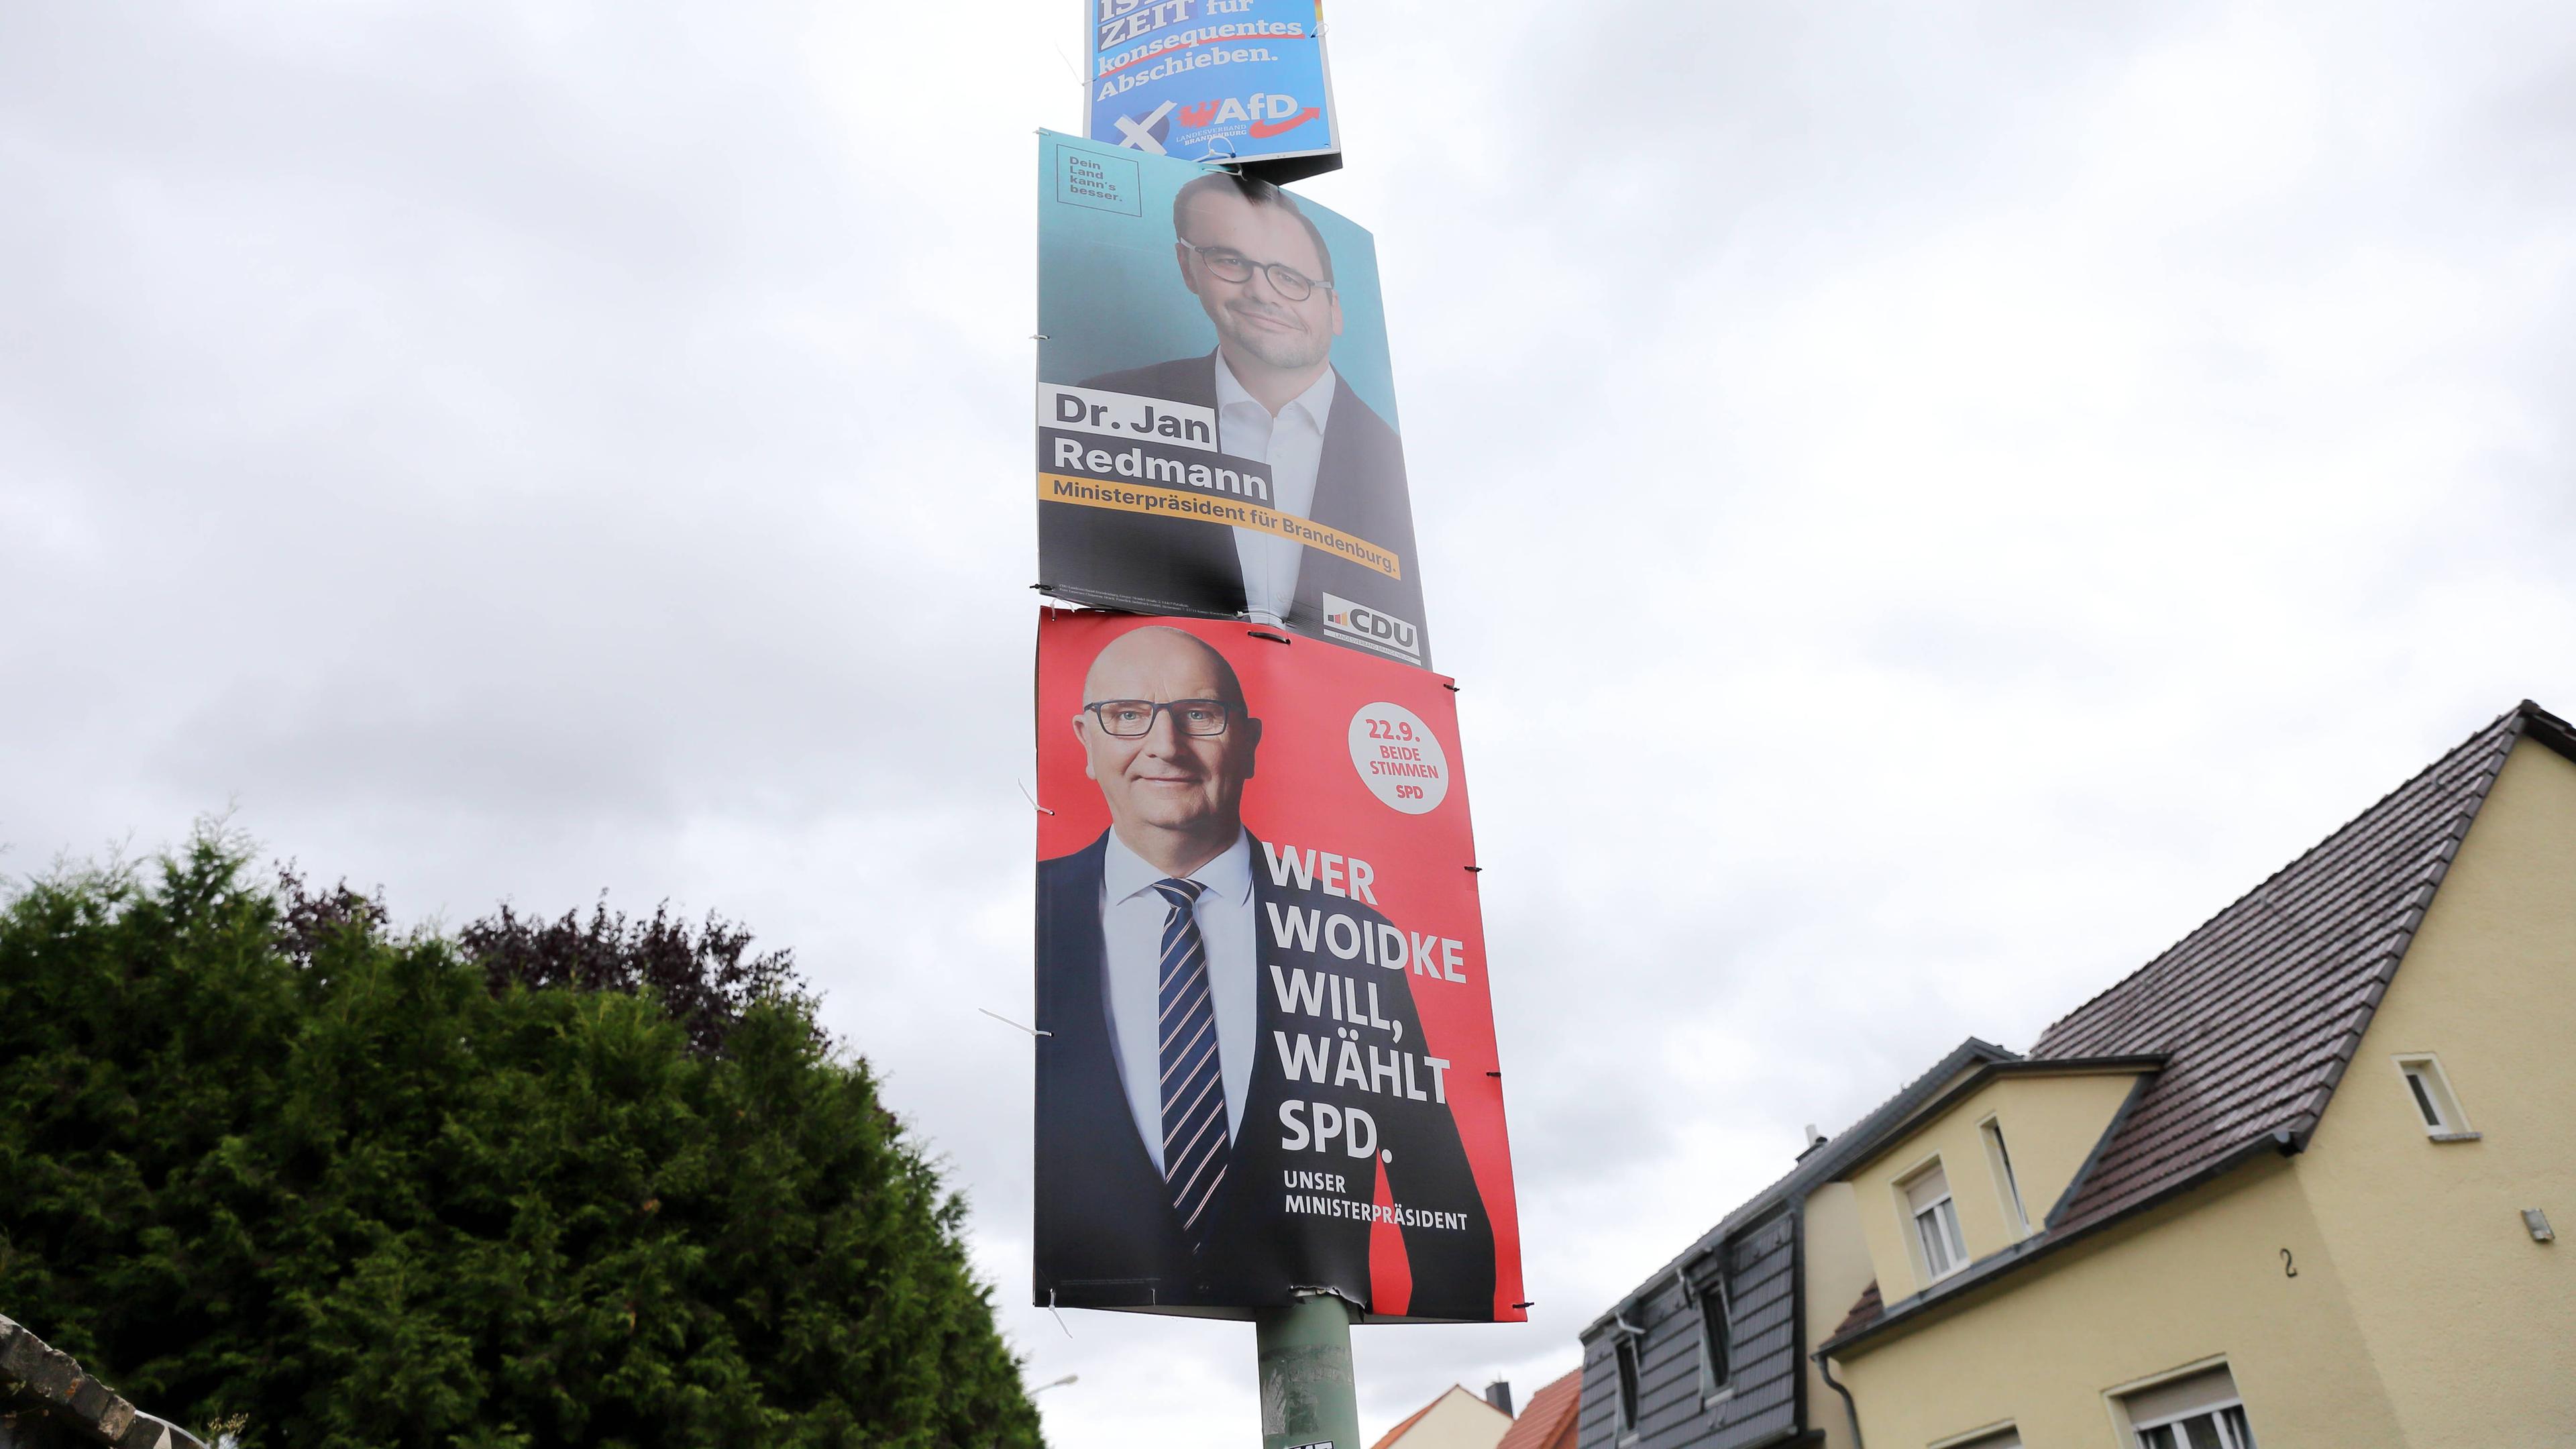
2195 1279
2050 1123
2421 1313
1458 1420
2471 1324
1838 1268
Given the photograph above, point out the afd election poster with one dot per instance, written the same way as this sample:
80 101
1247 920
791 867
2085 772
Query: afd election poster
1266 1057
1216 423
1215 80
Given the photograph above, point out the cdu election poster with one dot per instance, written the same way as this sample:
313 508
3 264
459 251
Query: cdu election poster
1216 421
1215 80
1266 1056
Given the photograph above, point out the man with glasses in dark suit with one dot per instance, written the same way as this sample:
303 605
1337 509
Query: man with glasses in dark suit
1262 272
1179 1156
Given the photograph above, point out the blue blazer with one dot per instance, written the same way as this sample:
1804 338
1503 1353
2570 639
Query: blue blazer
1106 1233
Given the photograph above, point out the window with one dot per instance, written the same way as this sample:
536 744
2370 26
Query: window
1999 1157
2006 1438
2222 1428
1715 1334
2197 1411
1936 1225
2434 1101
1625 1351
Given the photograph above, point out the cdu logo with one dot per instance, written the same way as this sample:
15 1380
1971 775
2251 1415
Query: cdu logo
1365 625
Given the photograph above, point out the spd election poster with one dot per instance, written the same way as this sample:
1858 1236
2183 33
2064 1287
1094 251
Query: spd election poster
1215 80
1216 423
1267 1055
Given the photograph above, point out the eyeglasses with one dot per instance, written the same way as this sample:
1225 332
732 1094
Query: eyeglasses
1230 265
1133 719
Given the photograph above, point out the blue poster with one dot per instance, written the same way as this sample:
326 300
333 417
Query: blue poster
1214 80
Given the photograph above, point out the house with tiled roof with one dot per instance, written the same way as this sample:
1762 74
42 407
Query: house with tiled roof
1712 1350
1548 1421
2289 1182
1456 1419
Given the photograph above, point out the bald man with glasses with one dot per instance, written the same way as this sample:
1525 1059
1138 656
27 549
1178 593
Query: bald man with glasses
1167 1172
1263 274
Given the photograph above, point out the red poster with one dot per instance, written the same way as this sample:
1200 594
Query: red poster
1268 1057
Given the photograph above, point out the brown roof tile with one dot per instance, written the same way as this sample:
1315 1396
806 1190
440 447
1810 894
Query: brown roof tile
1864 1311
1391 1435
1547 1422
1388 1439
2260 1009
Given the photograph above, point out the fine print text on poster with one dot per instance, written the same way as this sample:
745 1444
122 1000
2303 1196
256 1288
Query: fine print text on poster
1216 421
1214 80
1268 1058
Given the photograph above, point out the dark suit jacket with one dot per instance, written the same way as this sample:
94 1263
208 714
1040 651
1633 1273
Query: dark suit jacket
1167 565
1106 1233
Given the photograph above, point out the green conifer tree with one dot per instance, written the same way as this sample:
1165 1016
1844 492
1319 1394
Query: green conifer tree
263 1156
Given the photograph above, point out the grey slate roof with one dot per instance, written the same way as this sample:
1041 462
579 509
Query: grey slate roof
1820 1164
1755 1249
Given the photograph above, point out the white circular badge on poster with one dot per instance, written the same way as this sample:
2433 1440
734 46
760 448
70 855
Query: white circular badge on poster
1398 758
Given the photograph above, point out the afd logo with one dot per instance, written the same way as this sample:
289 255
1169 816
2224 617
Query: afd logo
1267 115
1369 626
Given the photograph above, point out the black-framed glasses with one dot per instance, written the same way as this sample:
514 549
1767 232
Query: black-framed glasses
1133 719
1227 264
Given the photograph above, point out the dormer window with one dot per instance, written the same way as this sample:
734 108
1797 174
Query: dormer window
1936 1224
1625 1352
1999 1157
2434 1101
1716 1347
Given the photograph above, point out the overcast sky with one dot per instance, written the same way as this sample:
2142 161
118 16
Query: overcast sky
1925 505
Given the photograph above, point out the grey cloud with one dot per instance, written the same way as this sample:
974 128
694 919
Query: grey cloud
1925 507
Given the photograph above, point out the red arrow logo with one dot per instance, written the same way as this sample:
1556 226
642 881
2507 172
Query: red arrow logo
1263 130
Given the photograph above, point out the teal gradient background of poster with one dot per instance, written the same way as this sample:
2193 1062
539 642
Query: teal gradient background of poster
1109 286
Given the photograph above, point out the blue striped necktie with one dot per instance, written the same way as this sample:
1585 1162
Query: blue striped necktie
1195 1146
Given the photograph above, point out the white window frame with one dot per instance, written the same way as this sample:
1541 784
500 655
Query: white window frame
1957 1244
2427 1085
1627 1382
1713 1388
2007 1184
2129 1429
2217 1412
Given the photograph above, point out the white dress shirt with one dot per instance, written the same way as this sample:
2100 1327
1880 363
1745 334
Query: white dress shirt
1292 444
1132 913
